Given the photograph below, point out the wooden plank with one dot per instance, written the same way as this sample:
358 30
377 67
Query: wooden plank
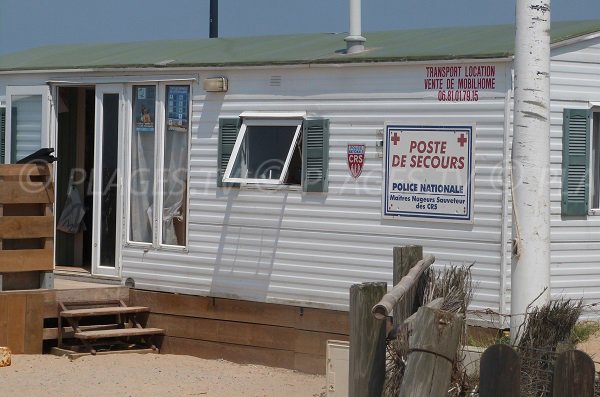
500 372
4 304
367 350
26 226
24 170
68 332
34 209
404 260
49 241
26 260
118 333
574 375
315 343
34 324
217 308
246 334
1 214
310 319
73 355
103 311
17 305
101 293
26 193
230 352
324 320
309 363
432 352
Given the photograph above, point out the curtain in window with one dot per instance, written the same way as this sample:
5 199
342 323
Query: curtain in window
26 125
142 163
175 165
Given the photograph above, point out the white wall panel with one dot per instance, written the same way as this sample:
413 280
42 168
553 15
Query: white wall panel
575 249
308 249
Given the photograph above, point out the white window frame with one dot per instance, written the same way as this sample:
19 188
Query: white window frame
3 106
594 161
44 92
159 147
276 122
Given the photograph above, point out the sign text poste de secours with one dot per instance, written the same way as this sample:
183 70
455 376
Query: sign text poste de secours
429 172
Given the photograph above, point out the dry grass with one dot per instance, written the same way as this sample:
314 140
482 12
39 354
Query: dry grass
547 329
454 285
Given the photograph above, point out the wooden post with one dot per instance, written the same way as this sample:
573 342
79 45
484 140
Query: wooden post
432 349
367 341
404 259
500 372
574 375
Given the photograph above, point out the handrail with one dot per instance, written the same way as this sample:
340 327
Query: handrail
386 305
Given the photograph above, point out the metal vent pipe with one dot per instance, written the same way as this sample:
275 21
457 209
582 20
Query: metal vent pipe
355 42
213 30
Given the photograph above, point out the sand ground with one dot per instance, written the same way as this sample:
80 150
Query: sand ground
154 375
150 375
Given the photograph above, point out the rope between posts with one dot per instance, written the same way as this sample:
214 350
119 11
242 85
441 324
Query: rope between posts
414 349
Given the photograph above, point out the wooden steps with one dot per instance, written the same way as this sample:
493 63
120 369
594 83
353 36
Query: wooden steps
118 332
104 311
124 329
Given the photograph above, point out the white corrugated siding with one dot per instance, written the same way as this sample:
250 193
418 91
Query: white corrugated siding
285 246
575 79
575 245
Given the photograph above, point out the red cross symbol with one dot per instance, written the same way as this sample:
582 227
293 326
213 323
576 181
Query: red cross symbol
462 139
395 138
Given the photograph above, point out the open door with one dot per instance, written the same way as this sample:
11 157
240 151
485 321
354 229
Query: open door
107 185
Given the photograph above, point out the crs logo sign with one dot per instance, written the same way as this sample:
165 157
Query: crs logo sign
356 159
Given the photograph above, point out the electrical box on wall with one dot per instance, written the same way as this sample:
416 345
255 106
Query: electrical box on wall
338 367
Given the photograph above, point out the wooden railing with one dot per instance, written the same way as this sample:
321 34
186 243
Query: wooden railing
26 224
434 337
500 374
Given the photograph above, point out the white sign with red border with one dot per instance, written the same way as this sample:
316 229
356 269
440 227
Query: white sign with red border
429 172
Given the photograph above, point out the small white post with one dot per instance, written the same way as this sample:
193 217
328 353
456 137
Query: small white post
355 42
530 275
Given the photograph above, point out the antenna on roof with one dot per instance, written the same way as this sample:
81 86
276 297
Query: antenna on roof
213 30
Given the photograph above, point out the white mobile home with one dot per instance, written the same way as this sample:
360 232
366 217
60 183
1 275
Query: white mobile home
255 168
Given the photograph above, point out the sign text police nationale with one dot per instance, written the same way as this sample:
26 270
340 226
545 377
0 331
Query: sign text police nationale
429 172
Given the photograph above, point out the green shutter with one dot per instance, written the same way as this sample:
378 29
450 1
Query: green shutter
315 155
575 162
2 132
228 131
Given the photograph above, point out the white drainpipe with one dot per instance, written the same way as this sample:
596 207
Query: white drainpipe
355 42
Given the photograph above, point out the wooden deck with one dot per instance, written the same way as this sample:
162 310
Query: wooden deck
22 312
236 330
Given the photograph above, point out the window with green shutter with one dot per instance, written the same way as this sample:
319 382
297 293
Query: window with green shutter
228 131
315 147
575 162
261 150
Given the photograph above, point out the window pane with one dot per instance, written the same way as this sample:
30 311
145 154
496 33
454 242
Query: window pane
596 160
175 165
26 127
142 163
263 152
110 140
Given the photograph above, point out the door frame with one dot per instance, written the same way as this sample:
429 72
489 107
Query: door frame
96 268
